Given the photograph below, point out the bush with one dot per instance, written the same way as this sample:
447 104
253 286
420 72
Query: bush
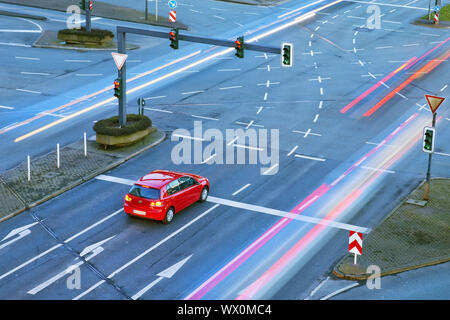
82 32
110 127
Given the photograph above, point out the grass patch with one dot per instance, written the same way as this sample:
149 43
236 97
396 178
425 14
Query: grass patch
110 127
444 14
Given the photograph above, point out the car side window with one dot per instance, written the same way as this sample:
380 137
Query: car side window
186 182
173 187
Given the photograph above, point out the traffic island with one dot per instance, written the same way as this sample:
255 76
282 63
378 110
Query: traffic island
414 235
48 181
444 19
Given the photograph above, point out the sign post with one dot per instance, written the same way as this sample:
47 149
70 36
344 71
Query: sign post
433 102
355 244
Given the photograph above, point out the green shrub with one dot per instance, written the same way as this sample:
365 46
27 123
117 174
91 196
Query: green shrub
110 127
94 32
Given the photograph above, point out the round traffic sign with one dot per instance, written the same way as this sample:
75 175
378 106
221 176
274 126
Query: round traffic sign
172 4
437 8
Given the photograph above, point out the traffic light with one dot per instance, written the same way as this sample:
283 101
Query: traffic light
287 53
174 38
239 46
82 4
428 139
117 87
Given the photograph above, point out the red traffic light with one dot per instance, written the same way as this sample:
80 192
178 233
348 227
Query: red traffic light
116 84
238 44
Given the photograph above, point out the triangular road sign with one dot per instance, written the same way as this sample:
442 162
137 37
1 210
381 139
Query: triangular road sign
119 59
434 102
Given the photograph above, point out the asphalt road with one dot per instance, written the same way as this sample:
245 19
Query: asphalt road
346 167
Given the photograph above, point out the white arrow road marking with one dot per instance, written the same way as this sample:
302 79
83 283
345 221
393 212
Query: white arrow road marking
95 249
168 273
22 232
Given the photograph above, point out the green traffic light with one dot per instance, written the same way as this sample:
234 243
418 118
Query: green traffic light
287 55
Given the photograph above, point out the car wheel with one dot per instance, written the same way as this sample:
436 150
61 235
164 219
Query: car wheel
169 216
204 194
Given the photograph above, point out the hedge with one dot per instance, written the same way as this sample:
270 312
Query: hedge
82 31
110 127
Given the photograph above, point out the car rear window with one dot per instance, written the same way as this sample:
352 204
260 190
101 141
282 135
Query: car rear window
148 193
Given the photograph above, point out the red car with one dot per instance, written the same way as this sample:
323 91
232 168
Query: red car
160 194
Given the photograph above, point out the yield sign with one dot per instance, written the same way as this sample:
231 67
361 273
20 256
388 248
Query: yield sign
434 102
355 242
119 59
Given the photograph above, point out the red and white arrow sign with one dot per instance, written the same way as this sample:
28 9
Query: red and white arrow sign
119 59
355 242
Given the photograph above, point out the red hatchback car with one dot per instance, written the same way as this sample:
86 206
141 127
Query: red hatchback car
160 194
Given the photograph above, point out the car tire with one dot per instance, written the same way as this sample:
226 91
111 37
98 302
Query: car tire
169 216
204 194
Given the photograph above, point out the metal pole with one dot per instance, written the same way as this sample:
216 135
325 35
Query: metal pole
427 183
57 155
85 144
123 79
429 10
88 16
29 168
156 13
146 9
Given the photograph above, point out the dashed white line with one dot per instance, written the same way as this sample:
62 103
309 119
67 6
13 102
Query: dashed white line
233 87
29 91
241 189
443 88
158 110
202 117
28 58
292 151
309 157
193 92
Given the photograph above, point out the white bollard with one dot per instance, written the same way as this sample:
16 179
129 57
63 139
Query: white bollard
57 155
85 145
29 168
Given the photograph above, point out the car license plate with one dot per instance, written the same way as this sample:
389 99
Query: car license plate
142 213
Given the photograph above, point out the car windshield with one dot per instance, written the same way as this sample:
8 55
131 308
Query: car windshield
142 192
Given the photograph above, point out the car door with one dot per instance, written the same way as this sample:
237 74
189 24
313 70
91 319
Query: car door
190 186
173 194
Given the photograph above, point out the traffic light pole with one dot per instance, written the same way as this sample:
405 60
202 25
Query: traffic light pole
88 15
121 46
122 75
428 180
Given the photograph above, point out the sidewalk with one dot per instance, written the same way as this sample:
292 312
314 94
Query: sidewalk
104 10
47 181
412 236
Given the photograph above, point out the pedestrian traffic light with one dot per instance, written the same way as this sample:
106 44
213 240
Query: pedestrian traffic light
174 38
117 87
239 46
428 139
82 4
287 53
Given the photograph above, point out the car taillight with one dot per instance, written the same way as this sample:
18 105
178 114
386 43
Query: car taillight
128 198
156 204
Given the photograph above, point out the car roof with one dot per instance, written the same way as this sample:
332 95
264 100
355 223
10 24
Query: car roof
158 178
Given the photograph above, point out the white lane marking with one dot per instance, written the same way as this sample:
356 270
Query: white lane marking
196 11
307 133
320 104
237 23
394 22
353 17
321 91
170 236
247 147
219 17
59 245
13 44
51 114
5 107
247 124
285 214
193 92
29 91
265 96
227 88
376 169
385 4
158 97
232 141
202 117
385 47
430 34
339 291
309 158
259 110
270 169
188 137
443 88
209 158
241 189
315 118
292 151
115 179
441 153
380 144
35 73
158 110
28 58
318 287
410 44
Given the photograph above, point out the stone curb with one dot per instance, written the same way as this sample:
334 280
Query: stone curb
83 179
359 277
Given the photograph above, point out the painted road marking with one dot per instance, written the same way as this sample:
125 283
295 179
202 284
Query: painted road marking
159 110
241 189
27 58
193 92
202 117
29 91
339 291
309 157
5 107
292 151
227 88
170 236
